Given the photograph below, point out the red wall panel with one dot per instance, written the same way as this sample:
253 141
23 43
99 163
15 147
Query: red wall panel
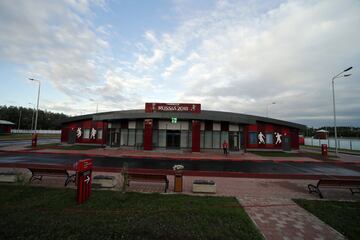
196 136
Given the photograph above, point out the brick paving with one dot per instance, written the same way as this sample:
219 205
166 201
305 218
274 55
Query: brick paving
159 154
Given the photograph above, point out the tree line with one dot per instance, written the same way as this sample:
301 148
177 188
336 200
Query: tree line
24 118
341 131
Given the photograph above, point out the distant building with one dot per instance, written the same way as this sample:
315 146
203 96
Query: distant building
5 127
321 134
180 126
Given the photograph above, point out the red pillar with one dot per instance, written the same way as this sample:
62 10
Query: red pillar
148 123
196 136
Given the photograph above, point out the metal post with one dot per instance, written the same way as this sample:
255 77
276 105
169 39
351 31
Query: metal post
32 119
333 91
37 108
19 119
335 130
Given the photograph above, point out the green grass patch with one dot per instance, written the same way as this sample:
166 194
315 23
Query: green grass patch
342 216
48 213
27 136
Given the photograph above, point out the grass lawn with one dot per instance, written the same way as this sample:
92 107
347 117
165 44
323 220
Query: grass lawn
342 216
27 136
49 213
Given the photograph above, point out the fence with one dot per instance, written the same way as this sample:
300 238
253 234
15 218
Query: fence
342 143
38 131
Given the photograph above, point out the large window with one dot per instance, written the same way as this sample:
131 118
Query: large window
124 137
208 139
216 139
155 136
184 139
224 137
269 138
131 139
99 133
162 138
139 136
253 138
86 133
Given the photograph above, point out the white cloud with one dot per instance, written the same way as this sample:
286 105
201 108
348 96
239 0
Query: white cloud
146 62
174 66
287 54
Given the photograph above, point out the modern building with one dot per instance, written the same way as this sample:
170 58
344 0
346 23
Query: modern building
5 127
180 126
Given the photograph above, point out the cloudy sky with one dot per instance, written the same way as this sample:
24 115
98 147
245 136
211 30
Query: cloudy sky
237 56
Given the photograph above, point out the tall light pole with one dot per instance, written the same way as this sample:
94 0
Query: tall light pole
333 92
267 108
32 118
37 106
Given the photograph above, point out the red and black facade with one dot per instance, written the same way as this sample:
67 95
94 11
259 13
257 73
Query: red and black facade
180 126
6 126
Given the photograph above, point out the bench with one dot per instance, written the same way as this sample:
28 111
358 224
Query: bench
38 173
351 184
144 177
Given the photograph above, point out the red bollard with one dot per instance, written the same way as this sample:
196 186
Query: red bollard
34 140
324 150
83 179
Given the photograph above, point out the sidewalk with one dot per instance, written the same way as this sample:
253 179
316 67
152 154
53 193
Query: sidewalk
159 154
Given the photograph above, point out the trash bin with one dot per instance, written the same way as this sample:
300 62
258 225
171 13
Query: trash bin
324 150
178 183
34 140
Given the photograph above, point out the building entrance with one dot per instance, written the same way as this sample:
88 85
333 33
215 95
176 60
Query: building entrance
233 141
172 139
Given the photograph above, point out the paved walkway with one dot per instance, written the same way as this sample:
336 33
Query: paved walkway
160 154
267 201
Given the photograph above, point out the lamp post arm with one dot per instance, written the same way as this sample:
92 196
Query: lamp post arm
335 129
37 107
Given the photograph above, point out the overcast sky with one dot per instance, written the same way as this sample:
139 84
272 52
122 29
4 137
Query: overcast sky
237 56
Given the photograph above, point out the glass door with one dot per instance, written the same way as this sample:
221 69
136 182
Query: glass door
233 141
173 139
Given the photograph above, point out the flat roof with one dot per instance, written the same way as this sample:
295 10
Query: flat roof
205 115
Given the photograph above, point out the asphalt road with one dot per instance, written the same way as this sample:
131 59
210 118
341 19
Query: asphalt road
268 167
5 143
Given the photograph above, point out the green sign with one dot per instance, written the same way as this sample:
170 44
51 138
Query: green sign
173 120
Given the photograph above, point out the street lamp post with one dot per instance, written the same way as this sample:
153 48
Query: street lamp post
37 106
32 118
267 108
333 92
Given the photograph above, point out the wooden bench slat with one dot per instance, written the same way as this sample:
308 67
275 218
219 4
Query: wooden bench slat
335 183
38 173
148 178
